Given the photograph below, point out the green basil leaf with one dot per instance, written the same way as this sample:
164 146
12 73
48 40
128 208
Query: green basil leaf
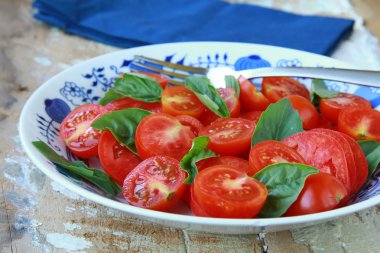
139 87
198 151
122 124
371 150
284 182
319 90
277 122
78 168
232 82
208 95
110 96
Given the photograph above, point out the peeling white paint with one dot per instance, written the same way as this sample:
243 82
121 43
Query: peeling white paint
63 190
44 61
71 226
67 242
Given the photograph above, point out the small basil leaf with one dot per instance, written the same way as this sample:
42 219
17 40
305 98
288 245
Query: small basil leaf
110 96
139 87
122 124
232 82
277 122
198 151
78 168
284 182
371 150
208 95
319 90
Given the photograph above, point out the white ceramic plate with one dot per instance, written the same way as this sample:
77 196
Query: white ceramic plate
87 82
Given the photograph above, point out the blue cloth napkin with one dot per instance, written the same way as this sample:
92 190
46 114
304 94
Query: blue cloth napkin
130 23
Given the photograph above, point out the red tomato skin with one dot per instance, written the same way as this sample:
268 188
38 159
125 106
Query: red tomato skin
322 192
116 159
270 152
77 133
125 103
252 115
160 79
194 124
178 100
232 100
360 123
229 136
219 192
231 161
322 152
338 136
156 184
306 111
331 107
276 88
251 98
162 134
194 206
325 123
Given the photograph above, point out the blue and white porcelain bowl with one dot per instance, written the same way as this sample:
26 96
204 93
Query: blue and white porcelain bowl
88 81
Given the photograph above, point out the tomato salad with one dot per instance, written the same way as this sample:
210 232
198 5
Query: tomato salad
234 152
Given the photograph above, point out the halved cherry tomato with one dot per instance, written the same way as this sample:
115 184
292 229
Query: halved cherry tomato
225 192
322 152
360 123
251 98
116 159
194 124
194 206
325 123
252 115
125 103
331 107
160 79
270 152
338 136
162 134
77 133
306 110
178 100
276 88
322 192
156 183
231 161
229 136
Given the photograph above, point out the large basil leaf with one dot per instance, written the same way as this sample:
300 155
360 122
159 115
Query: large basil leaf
208 95
371 150
277 122
110 96
78 168
232 82
198 151
122 124
284 182
319 90
139 87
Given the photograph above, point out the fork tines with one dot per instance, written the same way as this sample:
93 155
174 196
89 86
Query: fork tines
175 72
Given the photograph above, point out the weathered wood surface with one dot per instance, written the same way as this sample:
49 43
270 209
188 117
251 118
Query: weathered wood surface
37 215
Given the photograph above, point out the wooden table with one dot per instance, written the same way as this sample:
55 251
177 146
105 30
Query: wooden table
37 215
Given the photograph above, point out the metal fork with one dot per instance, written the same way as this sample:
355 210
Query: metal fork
177 73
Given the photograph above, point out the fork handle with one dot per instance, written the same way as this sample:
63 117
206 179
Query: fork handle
361 77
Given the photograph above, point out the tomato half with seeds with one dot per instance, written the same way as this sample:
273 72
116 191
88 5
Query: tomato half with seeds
321 192
231 161
163 134
331 107
270 152
156 183
125 103
77 133
160 79
276 88
178 100
306 110
251 98
229 136
360 123
194 124
322 152
225 192
116 159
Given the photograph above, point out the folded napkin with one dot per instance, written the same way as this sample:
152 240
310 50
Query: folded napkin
130 23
